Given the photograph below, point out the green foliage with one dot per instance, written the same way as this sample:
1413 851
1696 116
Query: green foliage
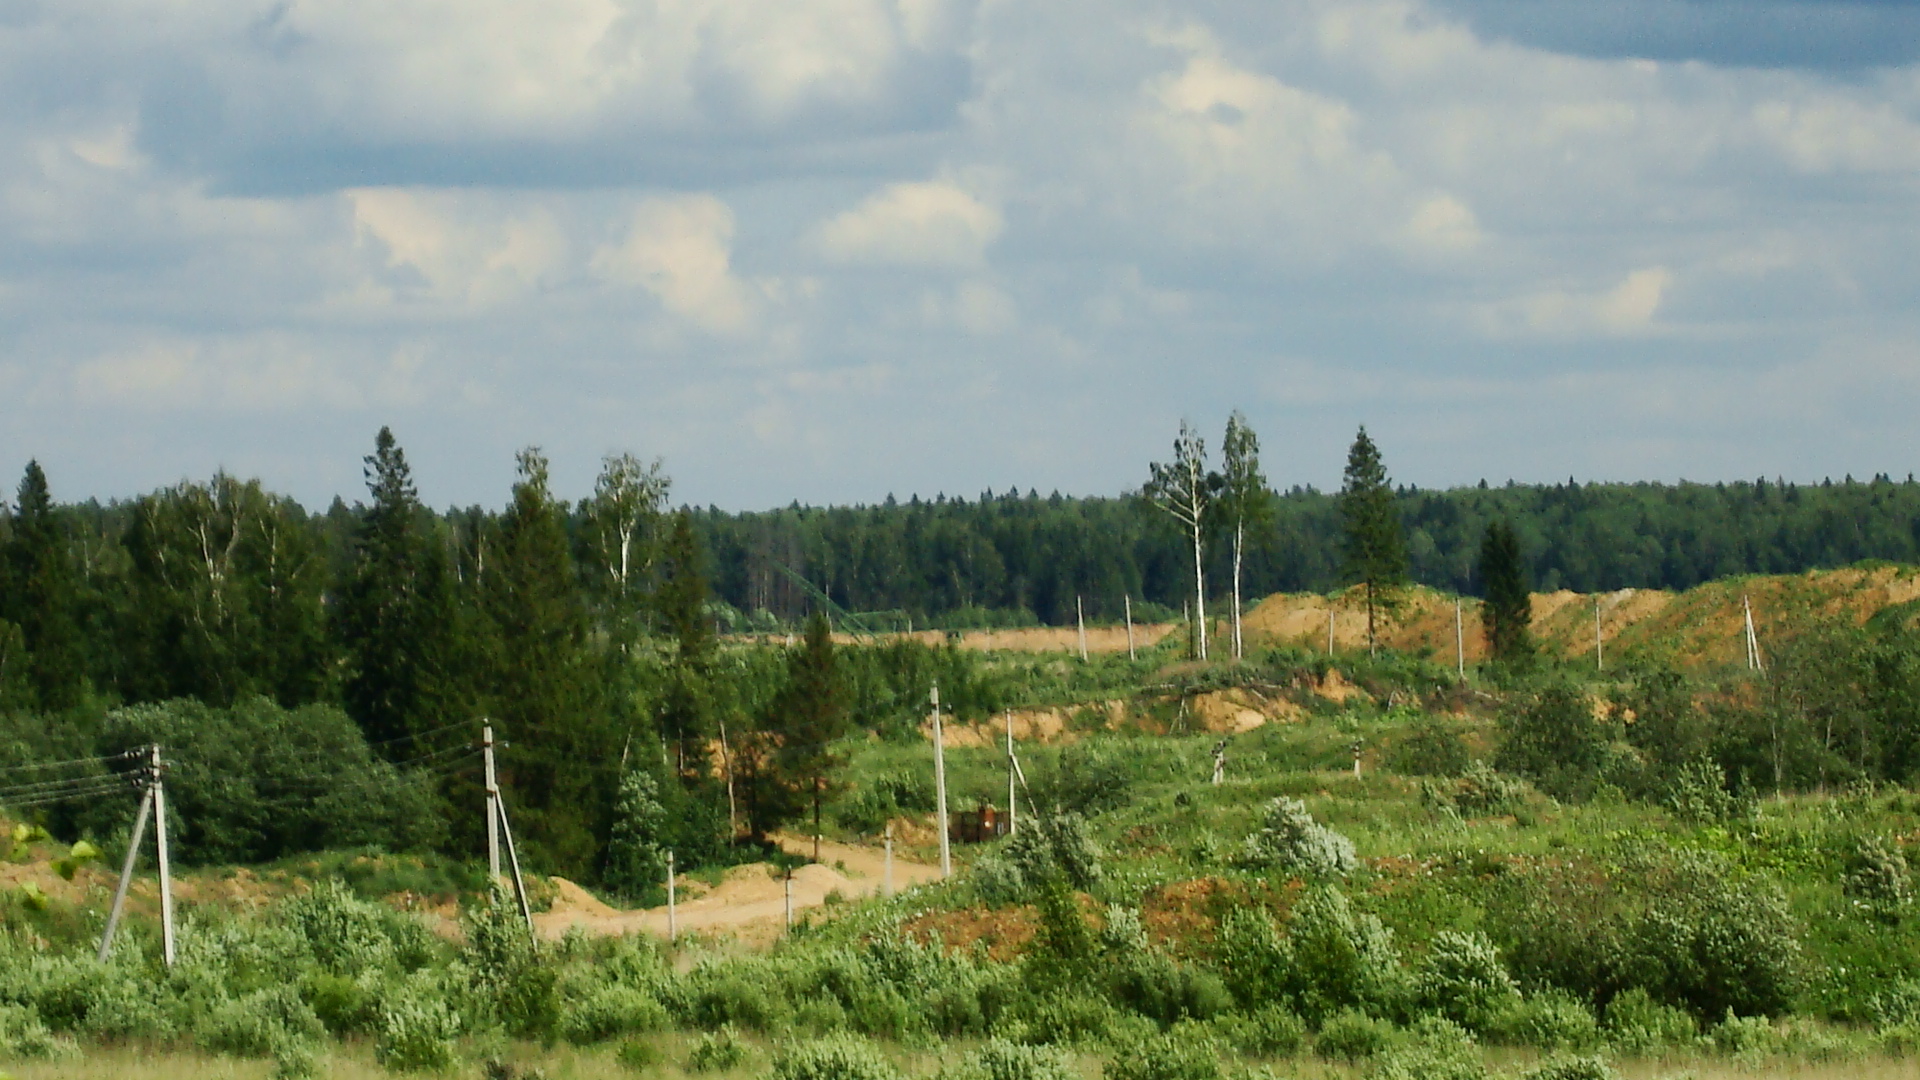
40 599
636 859
1185 1053
1555 740
1879 879
1290 841
1637 1024
1269 1031
24 1035
1352 1035
1048 850
1000 1059
1086 780
1550 1020
1463 979
1508 609
1433 747
610 1012
1255 960
1341 958
418 1028
717 1051
1373 549
260 1024
511 983
1435 1049
1572 1068
836 1057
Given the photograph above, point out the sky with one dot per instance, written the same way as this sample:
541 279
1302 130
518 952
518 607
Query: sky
831 250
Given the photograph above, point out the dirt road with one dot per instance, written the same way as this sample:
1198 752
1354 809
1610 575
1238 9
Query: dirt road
749 903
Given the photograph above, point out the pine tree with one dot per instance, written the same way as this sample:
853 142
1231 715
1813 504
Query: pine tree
1509 606
810 715
41 598
562 762
1375 552
395 620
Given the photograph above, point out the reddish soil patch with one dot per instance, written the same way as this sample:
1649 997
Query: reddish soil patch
1005 933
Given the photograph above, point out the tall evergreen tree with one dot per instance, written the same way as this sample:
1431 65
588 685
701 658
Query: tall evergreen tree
1508 610
395 618
1375 551
1245 503
686 705
562 767
41 598
809 715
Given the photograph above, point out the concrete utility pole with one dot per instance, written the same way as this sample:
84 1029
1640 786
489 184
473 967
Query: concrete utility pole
1329 631
1459 640
1753 639
673 929
493 804
1599 655
1129 602
1080 620
160 840
1012 803
940 786
887 881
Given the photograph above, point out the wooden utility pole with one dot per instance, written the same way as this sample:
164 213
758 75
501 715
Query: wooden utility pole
1080 620
493 804
1459 640
1129 602
887 881
940 786
673 929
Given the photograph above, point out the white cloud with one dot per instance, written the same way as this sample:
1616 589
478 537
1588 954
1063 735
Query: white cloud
679 249
462 252
1624 309
262 372
930 223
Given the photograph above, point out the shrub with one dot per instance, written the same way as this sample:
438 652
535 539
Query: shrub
1272 1031
610 1012
1552 1020
1436 1049
638 1055
1879 880
636 862
1049 849
1485 792
511 983
1290 841
836 1057
1432 748
1897 1005
717 1051
417 1028
1067 1017
1463 979
259 1024
1745 1036
722 994
24 1035
1712 941
999 1059
1342 959
344 1005
1572 1068
1159 988
1181 1054
1697 792
1255 960
1352 1035
1638 1024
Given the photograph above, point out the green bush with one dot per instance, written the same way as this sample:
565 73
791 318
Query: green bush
1184 1053
1637 1024
1712 940
1463 979
836 1057
609 1013
1166 991
638 1055
1744 1036
1342 959
511 982
999 1059
259 1024
1435 1049
1252 957
1289 840
1273 1031
1879 880
1551 1020
724 993
1485 792
1572 1068
1352 1035
1049 850
24 1035
418 1028
717 1051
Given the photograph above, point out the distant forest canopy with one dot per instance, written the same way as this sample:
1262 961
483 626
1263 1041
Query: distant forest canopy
1011 558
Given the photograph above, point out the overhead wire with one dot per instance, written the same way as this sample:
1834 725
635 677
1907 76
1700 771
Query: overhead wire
38 765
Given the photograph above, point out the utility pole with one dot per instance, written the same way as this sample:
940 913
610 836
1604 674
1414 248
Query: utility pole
1012 803
1329 631
493 804
1128 597
940 786
1599 656
1753 639
1459 641
1080 620
160 839
673 928
887 881
789 895
1219 761
153 804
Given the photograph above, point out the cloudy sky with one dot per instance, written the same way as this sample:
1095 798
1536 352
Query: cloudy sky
830 249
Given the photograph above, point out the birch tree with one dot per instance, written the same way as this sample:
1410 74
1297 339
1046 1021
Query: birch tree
1184 490
1243 501
622 525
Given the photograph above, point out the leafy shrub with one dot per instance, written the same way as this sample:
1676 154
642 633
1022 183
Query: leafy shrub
717 1051
1640 1025
417 1028
1712 941
1088 779
1182 1054
1432 747
1342 959
1697 792
609 1013
1289 840
1572 1068
1555 741
24 1035
1435 1049
636 861
1463 979
1352 1035
511 983
1483 791
1896 1005
1552 1020
1273 1031
1744 1036
836 1057
1255 960
999 1059
1879 880
1122 932
1049 849
259 1024
639 1055
1164 990
723 994
345 1006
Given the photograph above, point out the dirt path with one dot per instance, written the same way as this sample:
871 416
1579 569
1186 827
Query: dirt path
750 901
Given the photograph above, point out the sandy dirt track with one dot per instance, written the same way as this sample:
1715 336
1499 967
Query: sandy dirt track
749 902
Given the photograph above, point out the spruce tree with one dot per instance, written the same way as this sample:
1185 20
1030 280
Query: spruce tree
809 716
42 599
686 705
1375 551
395 618
561 767
1509 605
